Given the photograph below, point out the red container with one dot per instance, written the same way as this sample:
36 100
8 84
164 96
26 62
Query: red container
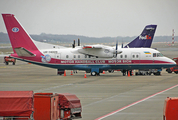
45 106
69 106
16 103
170 111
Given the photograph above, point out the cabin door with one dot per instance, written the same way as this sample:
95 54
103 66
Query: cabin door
58 57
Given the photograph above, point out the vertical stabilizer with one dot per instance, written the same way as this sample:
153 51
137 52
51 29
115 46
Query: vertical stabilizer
144 39
18 36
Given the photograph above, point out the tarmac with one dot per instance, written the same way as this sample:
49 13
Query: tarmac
109 96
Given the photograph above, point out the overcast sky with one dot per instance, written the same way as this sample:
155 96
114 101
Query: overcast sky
93 18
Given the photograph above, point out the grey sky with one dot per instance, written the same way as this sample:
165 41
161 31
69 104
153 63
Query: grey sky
93 18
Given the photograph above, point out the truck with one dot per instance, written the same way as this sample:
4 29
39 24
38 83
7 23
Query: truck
8 59
175 68
26 105
170 110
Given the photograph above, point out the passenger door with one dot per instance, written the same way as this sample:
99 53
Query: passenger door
58 57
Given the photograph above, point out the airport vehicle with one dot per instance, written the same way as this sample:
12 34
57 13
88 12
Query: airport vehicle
175 68
63 106
27 105
8 59
90 58
170 110
16 104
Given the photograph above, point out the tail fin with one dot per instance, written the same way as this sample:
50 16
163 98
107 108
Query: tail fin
17 35
145 39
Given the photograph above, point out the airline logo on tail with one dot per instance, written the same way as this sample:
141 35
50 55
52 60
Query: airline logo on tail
15 29
147 37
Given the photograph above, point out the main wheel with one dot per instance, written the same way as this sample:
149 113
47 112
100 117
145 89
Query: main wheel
169 70
176 72
93 73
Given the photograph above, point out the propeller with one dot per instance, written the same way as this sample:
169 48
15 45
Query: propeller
122 45
116 48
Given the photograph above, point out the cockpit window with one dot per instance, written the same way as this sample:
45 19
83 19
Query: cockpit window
157 55
154 54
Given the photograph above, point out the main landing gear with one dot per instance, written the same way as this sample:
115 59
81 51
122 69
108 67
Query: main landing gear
95 73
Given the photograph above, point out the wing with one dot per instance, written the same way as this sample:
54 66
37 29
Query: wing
100 51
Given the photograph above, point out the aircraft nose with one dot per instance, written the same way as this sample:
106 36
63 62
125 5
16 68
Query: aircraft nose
173 62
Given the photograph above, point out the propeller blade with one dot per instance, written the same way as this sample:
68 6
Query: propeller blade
116 47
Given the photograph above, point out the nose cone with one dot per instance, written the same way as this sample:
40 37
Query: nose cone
172 63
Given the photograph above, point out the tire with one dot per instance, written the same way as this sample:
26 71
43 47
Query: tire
157 73
124 73
176 72
13 63
7 63
93 73
169 70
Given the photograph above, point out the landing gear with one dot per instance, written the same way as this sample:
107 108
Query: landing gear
94 73
157 73
169 70
110 71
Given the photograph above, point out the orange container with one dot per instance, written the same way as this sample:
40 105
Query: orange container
45 106
170 111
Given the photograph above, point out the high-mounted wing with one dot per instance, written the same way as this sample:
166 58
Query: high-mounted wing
100 51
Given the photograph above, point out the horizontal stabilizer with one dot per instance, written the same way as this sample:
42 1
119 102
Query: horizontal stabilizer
24 52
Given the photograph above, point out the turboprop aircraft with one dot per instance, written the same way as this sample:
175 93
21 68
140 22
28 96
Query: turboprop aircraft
90 58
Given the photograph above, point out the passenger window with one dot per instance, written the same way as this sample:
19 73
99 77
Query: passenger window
136 56
85 56
125 56
78 56
67 56
74 56
120 56
133 56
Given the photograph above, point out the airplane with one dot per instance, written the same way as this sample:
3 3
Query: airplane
93 59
